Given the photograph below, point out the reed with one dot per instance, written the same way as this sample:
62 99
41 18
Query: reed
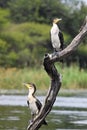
12 78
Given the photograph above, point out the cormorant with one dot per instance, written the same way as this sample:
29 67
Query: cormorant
56 36
33 103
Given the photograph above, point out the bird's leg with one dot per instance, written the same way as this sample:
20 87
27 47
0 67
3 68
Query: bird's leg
32 118
55 52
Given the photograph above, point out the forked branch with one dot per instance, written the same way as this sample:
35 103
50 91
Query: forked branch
51 70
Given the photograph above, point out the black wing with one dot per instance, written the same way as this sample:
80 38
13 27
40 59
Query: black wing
39 105
28 103
61 39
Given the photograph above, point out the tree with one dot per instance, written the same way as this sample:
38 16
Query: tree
4 3
24 10
37 11
51 70
4 14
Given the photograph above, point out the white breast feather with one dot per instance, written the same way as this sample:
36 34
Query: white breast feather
32 105
54 36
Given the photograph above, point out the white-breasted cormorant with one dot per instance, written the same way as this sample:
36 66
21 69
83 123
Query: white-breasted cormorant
33 103
56 36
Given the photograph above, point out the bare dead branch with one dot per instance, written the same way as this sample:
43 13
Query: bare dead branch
51 70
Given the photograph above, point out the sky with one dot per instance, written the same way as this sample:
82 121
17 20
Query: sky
85 1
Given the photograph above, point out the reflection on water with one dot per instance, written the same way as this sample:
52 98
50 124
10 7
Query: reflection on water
68 113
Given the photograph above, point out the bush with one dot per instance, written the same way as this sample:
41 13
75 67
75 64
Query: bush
4 18
25 44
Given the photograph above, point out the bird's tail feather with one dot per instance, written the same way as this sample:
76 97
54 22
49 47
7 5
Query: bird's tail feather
44 122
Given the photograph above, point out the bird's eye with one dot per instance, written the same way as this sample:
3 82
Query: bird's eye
30 86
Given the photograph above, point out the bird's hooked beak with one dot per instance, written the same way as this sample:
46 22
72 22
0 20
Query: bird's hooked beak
57 20
27 85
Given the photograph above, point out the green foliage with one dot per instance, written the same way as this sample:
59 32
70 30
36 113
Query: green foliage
24 39
13 78
25 58
3 46
11 59
73 77
82 50
22 10
4 3
26 44
46 10
75 20
39 11
4 14
3 52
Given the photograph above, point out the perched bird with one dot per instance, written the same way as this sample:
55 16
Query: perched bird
33 103
56 36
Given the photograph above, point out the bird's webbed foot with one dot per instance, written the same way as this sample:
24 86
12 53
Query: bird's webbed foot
55 53
50 56
30 122
47 57
32 118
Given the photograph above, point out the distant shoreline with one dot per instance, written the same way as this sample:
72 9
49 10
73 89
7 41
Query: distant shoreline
62 92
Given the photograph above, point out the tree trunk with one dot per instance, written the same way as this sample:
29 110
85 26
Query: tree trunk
55 77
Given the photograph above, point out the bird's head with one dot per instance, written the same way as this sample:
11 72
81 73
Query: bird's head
56 20
31 87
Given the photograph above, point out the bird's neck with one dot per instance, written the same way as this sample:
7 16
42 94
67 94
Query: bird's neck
30 95
54 24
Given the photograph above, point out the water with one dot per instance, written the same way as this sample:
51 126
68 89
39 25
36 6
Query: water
68 113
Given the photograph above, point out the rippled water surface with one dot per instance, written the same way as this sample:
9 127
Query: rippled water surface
68 113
